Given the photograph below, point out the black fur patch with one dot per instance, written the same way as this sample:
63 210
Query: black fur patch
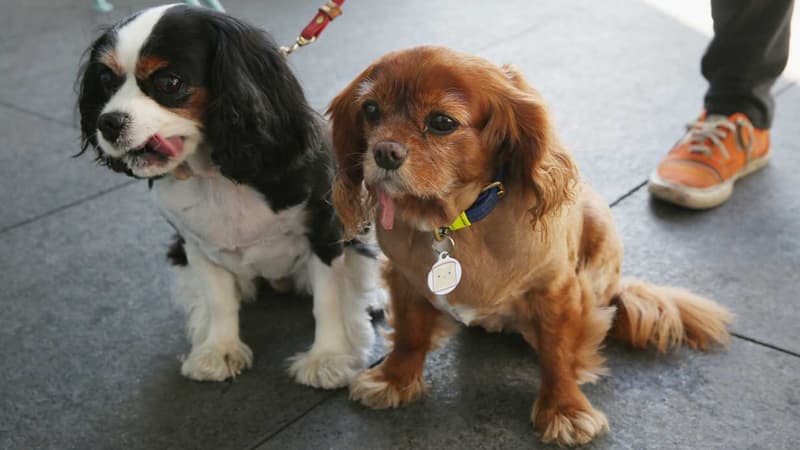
176 254
362 248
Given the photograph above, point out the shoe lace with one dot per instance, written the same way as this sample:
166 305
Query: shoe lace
705 135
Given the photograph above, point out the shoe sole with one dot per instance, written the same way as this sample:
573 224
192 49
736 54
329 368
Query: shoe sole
700 198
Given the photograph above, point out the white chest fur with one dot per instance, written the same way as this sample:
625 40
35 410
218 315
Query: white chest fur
234 226
461 313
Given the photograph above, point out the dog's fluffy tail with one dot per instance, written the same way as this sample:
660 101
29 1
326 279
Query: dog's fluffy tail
666 317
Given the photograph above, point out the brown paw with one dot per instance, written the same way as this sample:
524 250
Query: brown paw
375 391
569 427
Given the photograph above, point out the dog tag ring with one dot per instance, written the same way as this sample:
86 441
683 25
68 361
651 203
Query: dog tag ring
445 274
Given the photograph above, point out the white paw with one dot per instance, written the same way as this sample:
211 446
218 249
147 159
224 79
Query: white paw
217 362
325 370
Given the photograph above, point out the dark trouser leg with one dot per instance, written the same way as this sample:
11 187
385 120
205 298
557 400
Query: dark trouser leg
748 53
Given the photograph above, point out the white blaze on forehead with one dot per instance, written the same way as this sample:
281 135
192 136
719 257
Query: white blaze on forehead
365 87
132 36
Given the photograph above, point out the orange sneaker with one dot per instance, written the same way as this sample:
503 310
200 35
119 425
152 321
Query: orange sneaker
700 170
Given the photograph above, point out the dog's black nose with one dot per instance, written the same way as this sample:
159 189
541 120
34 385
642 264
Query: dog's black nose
389 155
111 125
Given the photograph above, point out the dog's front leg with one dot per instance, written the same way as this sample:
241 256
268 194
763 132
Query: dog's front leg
222 354
418 328
567 326
334 359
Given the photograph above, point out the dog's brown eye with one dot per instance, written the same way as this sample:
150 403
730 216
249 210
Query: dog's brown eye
167 84
371 111
439 123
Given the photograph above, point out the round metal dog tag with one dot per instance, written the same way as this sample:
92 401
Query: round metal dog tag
445 274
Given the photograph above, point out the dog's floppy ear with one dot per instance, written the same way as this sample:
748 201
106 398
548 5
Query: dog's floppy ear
349 145
258 121
520 130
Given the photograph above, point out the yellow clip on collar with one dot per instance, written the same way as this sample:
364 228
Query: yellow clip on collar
462 221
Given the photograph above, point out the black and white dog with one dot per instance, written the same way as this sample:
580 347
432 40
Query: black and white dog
205 107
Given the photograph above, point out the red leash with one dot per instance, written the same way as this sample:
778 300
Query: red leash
326 13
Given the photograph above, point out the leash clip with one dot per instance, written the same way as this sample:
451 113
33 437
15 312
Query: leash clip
299 42
325 14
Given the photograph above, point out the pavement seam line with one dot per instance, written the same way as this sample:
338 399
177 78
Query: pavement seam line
38 115
500 41
765 344
65 207
627 194
292 421
787 87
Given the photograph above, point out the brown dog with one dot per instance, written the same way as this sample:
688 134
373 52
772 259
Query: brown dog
425 131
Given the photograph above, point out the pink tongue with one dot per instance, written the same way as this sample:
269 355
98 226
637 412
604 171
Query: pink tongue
387 210
169 147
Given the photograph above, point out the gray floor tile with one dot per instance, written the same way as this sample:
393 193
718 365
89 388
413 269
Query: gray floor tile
42 44
784 84
91 341
37 172
34 19
482 388
368 30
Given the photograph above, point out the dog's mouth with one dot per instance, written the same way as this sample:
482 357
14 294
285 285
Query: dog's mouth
157 150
